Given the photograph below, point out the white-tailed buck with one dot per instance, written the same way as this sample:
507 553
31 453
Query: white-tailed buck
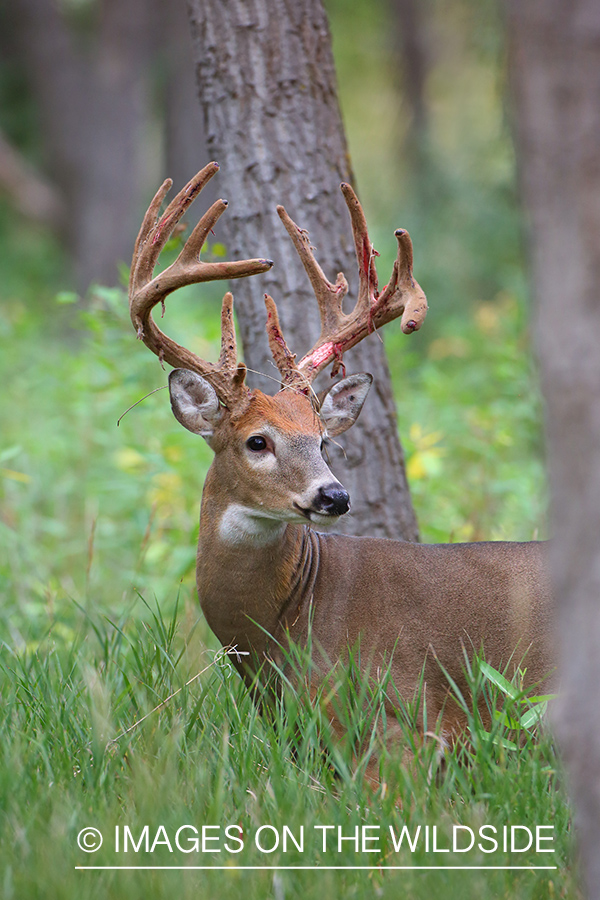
264 573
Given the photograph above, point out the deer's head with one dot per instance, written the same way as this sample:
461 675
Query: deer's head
268 449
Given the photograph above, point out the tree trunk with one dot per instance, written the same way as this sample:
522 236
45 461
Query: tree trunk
30 194
267 84
413 62
556 78
91 95
185 142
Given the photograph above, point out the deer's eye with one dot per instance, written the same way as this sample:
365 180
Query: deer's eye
256 443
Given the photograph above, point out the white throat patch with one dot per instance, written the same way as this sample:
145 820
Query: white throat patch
242 525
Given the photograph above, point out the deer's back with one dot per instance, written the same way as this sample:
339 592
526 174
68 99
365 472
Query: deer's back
407 602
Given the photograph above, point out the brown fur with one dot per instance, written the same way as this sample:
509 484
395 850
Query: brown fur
408 605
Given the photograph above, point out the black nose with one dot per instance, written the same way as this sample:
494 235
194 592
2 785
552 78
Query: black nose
334 500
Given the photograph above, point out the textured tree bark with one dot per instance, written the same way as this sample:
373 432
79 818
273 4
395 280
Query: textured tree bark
267 84
556 78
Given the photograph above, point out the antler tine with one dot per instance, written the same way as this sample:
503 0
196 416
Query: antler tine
284 359
161 231
365 252
145 292
228 357
329 296
341 331
402 291
402 295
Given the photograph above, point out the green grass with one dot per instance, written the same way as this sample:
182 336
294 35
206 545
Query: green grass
73 757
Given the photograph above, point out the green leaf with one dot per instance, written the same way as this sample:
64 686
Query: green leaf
500 681
533 716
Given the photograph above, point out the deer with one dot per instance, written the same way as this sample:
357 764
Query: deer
269 569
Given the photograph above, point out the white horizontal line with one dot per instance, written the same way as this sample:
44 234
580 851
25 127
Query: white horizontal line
327 868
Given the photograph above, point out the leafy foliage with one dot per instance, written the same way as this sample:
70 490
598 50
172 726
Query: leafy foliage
469 412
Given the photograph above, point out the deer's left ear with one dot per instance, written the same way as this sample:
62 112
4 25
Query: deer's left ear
341 405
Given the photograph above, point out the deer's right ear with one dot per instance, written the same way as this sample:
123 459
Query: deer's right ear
194 402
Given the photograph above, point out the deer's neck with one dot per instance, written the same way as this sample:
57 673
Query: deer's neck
255 576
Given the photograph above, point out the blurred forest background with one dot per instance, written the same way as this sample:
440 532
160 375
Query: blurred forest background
99 620
97 105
